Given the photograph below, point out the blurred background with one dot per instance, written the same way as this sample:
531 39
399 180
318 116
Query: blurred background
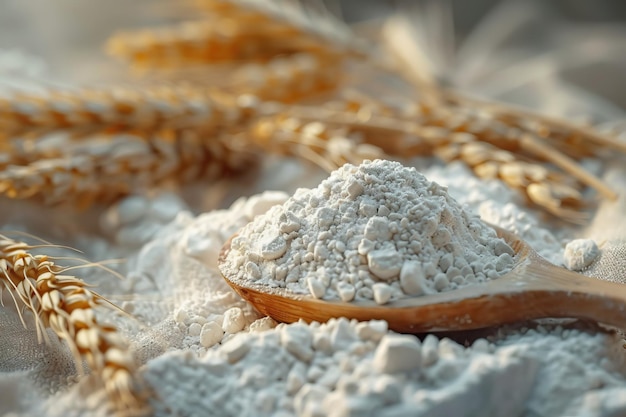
577 41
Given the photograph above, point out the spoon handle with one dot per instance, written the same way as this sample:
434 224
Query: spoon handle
551 291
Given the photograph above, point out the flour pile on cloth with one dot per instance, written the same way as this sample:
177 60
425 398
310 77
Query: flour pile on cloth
378 231
207 352
345 368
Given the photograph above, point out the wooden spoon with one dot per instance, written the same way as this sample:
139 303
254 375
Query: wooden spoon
534 289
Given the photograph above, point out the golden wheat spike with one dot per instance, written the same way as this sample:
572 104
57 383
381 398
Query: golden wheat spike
586 137
108 166
200 42
63 303
443 132
236 31
514 139
309 20
435 125
115 110
327 147
288 79
546 188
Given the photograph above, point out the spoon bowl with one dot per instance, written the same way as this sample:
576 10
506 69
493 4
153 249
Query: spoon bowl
533 289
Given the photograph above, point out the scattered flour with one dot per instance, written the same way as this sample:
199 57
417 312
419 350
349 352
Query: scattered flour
497 204
377 231
136 219
580 253
345 368
177 269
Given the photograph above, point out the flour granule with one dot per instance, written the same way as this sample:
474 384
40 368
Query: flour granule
379 231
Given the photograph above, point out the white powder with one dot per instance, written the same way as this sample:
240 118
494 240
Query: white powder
345 368
499 205
178 269
136 219
580 253
340 367
377 231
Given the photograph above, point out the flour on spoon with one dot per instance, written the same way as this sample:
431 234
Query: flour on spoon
379 231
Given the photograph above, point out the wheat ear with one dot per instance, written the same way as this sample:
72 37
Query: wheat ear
457 140
327 147
115 110
237 31
108 166
585 139
315 24
288 79
548 189
200 42
434 127
63 303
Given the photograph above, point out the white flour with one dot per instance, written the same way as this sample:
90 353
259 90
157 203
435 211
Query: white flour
497 204
580 253
378 231
346 368
343 368
207 353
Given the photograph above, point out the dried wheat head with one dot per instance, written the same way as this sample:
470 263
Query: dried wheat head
237 31
63 303
107 167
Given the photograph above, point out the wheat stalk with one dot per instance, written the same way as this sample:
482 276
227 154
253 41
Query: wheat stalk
63 303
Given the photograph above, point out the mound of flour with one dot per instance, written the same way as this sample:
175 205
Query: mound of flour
377 231
344 368
338 368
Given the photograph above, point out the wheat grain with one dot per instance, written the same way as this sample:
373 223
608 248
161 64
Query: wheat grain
63 303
